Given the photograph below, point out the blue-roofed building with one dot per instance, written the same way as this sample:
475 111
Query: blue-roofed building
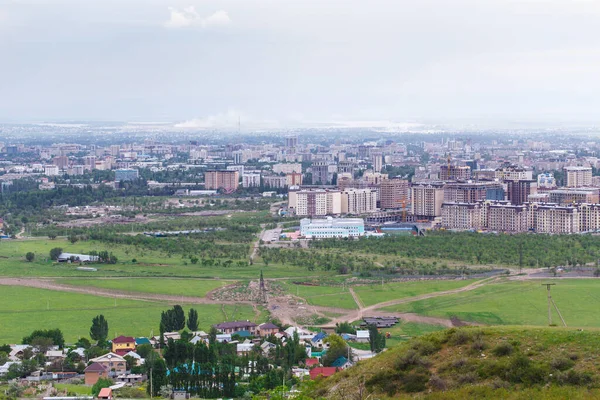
341 363
141 340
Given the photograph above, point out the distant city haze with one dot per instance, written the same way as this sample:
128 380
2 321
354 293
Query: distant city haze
276 64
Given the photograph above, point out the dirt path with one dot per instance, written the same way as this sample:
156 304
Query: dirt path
170 299
373 310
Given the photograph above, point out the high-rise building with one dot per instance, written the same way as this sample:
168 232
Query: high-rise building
287 168
291 142
427 199
456 192
394 193
293 179
462 216
322 172
251 179
377 160
503 217
76 170
221 179
359 201
126 175
455 172
578 176
573 196
274 181
61 161
519 190
51 170
89 162
318 202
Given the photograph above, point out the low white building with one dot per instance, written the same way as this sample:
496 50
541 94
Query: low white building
332 228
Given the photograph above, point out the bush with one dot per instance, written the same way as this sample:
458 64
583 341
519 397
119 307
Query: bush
478 345
562 364
468 378
574 378
503 349
459 337
437 383
426 347
415 382
408 360
30 256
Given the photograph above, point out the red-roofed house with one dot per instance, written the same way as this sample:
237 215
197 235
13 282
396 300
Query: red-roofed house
322 371
311 362
105 394
123 345
94 372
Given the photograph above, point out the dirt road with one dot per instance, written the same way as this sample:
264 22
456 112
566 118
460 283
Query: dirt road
51 285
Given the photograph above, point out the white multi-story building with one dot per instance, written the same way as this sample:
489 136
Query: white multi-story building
427 199
251 179
287 168
359 201
51 170
578 176
332 228
546 181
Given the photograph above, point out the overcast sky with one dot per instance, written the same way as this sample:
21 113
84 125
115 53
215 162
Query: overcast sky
206 62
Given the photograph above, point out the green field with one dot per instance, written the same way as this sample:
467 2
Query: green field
23 310
78 389
326 296
340 300
376 293
149 263
173 286
517 303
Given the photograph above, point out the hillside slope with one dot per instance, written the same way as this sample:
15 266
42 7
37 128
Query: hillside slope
473 362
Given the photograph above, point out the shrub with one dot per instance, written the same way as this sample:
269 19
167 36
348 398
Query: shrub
437 383
562 364
478 345
30 256
503 349
468 378
415 382
459 337
574 378
410 359
426 347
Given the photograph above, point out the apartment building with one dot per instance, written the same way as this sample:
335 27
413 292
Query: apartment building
319 202
359 201
221 179
427 199
394 193
578 176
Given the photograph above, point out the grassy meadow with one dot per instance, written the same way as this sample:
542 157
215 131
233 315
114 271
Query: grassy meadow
517 303
26 309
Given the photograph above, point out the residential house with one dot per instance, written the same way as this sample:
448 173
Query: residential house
72 257
224 338
324 372
54 355
266 347
311 362
4 368
114 363
141 340
317 340
105 394
244 348
16 352
123 345
362 336
267 329
131 378
94 372
237 326
341 363
138 359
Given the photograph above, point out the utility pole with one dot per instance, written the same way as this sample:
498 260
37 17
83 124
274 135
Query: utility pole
552 303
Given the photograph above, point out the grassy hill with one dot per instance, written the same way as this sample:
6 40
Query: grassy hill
498 362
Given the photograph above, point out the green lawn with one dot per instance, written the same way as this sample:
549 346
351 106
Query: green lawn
149 263
184 287
376 293
77 389
517 303
341 300
327 296
23 310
